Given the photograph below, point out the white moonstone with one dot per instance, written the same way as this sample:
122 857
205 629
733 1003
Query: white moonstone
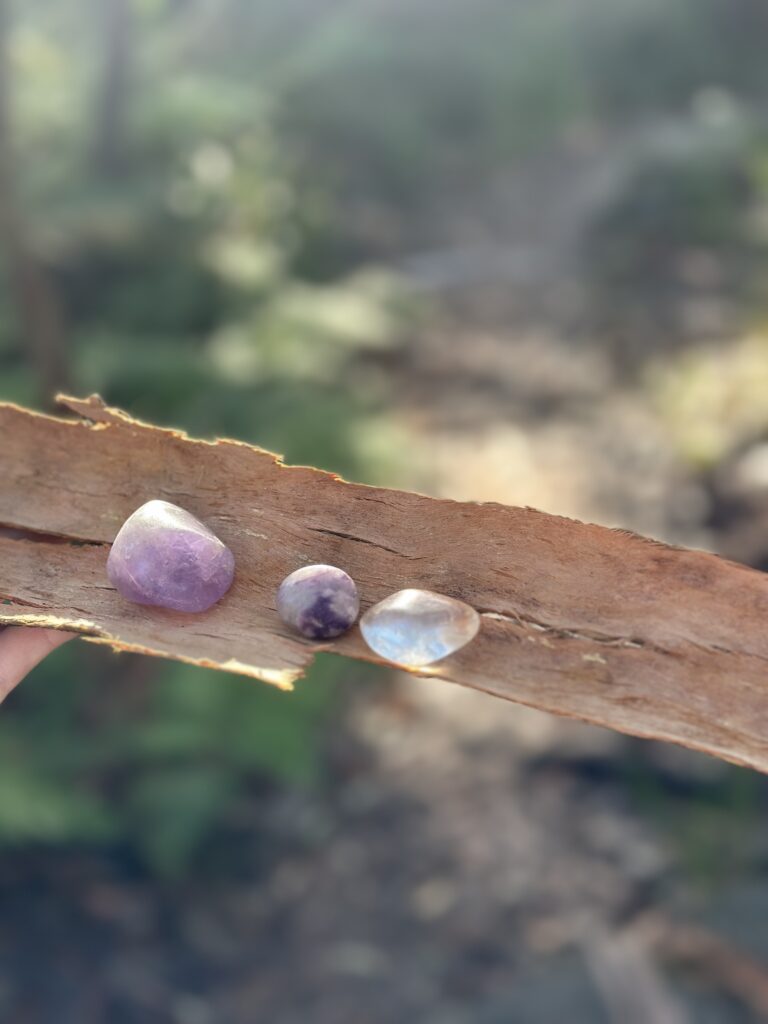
418 627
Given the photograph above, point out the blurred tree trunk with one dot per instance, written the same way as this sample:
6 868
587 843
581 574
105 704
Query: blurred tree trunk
33 292
109 151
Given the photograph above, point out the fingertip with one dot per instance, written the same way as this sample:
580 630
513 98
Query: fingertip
21 649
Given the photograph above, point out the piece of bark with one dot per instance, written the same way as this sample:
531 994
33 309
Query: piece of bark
579 620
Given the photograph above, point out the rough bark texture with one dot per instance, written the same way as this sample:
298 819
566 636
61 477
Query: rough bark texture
578 620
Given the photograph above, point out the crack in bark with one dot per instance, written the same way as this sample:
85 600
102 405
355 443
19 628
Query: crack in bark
361 540
8 601
604 639
564 632
16 532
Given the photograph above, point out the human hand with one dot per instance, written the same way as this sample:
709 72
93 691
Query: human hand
21 648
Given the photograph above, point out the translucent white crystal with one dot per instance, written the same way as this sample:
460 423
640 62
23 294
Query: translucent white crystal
418 627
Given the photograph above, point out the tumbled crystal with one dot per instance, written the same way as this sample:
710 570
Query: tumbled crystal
417 627
320 601
164 556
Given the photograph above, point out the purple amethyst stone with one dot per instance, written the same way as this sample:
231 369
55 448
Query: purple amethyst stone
165 556
320 601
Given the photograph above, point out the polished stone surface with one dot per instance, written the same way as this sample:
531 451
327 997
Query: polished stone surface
164 556
418 627
319 601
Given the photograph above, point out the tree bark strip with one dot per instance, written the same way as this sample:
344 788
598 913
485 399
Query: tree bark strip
578 619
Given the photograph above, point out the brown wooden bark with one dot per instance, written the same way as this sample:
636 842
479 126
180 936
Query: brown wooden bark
578 620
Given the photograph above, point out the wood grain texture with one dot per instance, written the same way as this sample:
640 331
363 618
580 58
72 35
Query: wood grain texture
578 620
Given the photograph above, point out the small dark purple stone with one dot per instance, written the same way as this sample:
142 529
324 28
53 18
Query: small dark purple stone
320 601
164 556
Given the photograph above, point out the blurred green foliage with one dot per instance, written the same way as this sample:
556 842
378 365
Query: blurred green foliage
691 192
177 263
112 749
177 268
400 99
203 180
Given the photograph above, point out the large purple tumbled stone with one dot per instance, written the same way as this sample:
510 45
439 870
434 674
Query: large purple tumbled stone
165 556
320 601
